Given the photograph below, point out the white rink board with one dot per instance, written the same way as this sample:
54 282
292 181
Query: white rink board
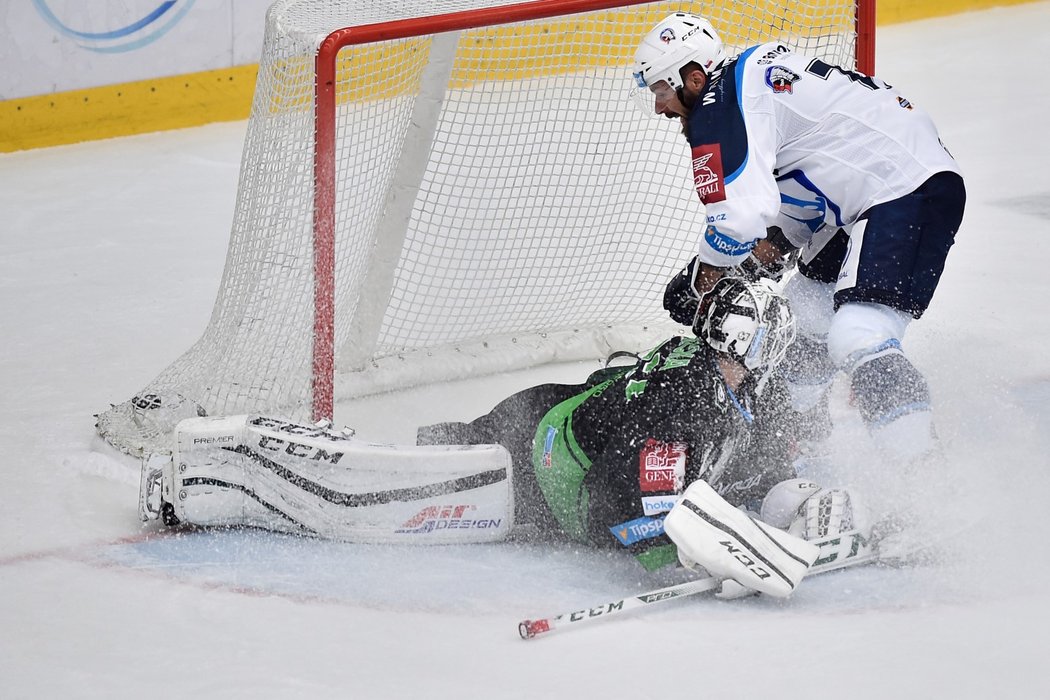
61 45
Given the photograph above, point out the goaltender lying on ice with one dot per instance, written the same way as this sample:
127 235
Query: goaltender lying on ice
684 455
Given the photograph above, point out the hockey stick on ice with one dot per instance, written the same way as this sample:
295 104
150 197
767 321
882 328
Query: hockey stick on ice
851 548
531 628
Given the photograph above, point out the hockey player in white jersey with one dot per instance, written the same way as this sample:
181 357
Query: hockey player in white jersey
837 164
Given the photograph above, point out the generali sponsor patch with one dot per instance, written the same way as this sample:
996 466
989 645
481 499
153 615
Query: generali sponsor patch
708 175
661 465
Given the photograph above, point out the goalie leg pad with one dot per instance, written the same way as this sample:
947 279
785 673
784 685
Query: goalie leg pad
270 473
728 543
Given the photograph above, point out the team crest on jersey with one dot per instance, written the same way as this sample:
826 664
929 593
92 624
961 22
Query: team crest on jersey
708 176
904 103
667 35
781 80
661 466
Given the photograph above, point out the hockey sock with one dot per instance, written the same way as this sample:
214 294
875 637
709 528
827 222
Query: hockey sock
894 401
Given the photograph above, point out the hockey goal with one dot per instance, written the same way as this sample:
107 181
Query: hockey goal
433 189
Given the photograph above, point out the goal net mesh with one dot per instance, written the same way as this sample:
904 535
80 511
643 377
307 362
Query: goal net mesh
540 218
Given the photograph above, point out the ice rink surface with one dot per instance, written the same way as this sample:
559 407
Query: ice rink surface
111 257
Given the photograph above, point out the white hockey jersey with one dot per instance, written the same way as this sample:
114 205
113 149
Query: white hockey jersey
782 139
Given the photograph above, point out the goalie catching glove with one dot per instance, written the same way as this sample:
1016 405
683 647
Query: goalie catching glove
808 511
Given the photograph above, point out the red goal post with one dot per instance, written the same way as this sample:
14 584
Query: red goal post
434 189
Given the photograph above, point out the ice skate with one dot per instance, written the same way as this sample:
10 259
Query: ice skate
156 484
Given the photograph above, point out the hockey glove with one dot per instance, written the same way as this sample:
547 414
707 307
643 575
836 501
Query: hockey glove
808 511
776 250
680 299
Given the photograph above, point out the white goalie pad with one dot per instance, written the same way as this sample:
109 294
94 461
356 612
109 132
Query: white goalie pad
728 543
270 473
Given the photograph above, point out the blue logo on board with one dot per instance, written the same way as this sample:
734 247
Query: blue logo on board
134 35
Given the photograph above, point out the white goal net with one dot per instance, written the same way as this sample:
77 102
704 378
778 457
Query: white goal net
495 199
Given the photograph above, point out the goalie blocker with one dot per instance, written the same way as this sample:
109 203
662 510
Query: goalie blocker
265 472
728 543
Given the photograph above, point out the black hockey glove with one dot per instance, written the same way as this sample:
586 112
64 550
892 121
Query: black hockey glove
752 269
680 299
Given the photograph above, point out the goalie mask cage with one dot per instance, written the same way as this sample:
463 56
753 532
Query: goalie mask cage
433 189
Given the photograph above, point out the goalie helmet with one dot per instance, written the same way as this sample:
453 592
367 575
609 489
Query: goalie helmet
679 39
749 321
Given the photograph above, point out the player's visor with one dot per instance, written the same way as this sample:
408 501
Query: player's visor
646 98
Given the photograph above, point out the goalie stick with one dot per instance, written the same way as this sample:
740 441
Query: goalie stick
846 549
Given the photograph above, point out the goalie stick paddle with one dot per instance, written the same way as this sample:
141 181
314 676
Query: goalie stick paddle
852 548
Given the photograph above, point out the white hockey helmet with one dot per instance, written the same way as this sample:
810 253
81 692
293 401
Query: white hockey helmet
749 321
676 41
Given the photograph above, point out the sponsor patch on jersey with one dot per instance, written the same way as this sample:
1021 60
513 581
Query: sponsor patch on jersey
726 245
708 175
654 505
548 445
637 530
661 466
781 80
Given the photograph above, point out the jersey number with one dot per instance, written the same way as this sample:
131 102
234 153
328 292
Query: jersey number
822 70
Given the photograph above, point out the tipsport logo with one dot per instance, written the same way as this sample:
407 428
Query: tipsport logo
636 530
434 518
145 26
